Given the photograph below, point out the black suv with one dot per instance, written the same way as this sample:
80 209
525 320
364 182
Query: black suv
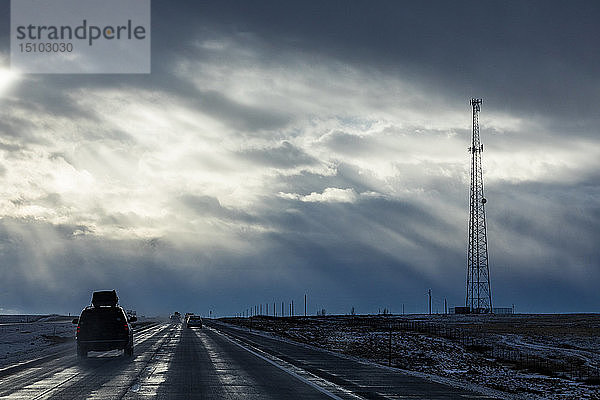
104 326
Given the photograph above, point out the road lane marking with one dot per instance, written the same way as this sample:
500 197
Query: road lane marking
280 364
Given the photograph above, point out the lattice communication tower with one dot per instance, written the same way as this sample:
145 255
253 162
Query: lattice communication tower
479 292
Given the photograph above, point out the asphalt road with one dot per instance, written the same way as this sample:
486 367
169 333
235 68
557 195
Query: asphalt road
215 362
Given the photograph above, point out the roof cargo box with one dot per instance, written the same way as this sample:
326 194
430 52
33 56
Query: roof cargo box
105 298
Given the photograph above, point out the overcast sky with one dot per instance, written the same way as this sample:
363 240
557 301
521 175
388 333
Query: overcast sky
280 149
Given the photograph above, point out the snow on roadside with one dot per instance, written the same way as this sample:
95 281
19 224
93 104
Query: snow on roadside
22 341
442 358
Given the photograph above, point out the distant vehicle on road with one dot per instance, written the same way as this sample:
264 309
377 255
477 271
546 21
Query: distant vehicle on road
193 320
104 326
176 317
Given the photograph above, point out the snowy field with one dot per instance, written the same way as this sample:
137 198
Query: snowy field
523 356
26 337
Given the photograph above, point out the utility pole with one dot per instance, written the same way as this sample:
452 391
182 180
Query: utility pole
429 301
479 292
390 346
305 305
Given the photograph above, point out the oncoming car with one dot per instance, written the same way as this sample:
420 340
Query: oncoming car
104 326
193 320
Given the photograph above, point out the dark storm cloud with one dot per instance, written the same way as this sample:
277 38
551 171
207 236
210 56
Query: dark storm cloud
285 155
242 117
306 182
326 258
538 232
570 217
20 131
54 98
46 261
394 257
393 236
207 206
50 200
25 118
338 220
51 96
340 275
346 143
122 220
523 57
373 252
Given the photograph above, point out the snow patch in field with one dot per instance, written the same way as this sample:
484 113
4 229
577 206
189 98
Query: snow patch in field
21 341
440 359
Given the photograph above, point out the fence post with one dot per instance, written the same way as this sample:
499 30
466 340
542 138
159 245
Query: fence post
390 347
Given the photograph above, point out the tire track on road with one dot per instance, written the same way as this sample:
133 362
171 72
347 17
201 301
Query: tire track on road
48 379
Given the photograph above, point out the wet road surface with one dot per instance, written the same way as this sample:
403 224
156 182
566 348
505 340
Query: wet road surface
215 362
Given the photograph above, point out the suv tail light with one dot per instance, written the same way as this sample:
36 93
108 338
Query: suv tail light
126 327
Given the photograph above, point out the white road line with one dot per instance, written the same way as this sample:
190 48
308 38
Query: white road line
287 370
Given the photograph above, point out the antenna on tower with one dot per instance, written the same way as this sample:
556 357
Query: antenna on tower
479 292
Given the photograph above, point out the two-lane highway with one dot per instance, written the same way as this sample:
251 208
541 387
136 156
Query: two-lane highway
205 364
215 362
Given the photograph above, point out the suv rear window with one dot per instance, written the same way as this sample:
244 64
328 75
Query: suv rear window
102 315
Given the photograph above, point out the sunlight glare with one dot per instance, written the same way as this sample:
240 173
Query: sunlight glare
7 77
